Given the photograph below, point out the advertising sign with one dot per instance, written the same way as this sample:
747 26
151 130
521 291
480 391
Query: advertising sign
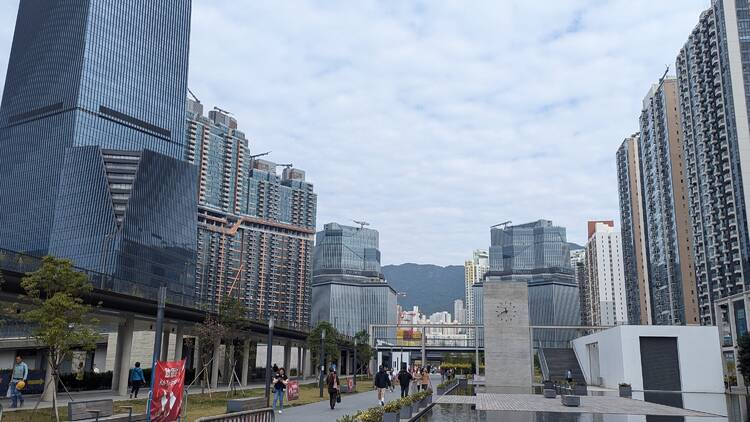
292 390
350 384
169 385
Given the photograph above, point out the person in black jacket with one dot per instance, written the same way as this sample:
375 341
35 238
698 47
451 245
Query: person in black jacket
382 381
334 387
404 377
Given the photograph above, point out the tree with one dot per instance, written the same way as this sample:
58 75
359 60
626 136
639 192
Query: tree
743 357
364 351
59 318
331 343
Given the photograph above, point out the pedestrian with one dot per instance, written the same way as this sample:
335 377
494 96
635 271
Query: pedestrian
382 381
334 387
20 373
137 380
393 377
425 379
280 381
404 378
275 368
442 374
569 376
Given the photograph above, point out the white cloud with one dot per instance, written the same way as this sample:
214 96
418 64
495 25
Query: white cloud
434 120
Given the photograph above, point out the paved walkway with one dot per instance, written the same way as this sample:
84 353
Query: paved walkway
350 403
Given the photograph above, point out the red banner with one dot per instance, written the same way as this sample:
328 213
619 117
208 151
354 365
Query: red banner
166 396
292 390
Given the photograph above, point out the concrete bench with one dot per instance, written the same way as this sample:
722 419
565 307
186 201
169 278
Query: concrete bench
101 410
242 405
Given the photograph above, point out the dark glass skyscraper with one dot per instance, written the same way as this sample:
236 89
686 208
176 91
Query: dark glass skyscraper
92 139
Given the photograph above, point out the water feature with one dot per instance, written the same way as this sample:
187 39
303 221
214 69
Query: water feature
726 407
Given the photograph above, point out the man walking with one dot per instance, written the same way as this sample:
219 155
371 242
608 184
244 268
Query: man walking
404 377
20 373
382 381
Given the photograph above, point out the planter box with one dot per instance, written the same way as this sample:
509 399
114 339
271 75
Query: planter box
415 408
428 400
580 390
549 385
550 393
405 412
571 401
441 391
391 417
626 391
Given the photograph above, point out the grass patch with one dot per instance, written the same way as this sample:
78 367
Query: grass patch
198 405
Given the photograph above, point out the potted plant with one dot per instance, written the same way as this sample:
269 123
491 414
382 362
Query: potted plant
405 411
347 418
579 389
392 411
548 384
416 399
626 390
373 414
570 400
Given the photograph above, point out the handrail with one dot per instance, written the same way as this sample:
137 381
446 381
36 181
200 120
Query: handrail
258 415
543 363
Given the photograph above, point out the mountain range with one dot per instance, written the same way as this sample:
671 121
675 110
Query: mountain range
431 287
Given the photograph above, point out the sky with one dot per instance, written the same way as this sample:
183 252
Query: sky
433 120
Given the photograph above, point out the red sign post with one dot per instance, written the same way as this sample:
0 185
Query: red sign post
167 391
292 390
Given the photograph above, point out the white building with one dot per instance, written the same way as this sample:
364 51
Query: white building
474 271
653 357
603 299
458 311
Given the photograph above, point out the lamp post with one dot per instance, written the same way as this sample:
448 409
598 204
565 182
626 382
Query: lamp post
322 359
269 351
356 367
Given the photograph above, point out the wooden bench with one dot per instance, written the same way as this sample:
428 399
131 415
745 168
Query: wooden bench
101 410
242 405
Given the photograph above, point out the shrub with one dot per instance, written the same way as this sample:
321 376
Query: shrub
373 414
393 406
347 418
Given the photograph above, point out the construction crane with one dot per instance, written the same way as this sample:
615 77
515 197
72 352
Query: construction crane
222 110
362 224
504 224
193 95
252 157
290 165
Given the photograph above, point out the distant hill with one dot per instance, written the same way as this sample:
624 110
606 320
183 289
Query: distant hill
431 287
574 246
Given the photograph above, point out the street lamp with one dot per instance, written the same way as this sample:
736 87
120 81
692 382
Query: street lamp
322 359
269 351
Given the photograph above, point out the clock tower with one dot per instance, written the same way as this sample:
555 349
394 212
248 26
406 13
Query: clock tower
507 341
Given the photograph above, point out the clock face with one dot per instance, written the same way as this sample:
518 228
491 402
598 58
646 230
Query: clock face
506 311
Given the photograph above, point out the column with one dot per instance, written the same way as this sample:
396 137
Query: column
126 342
118 356
287 356
305 364
178 343
197 355
424 343
215 365
245 361
165 344
476 348
299 362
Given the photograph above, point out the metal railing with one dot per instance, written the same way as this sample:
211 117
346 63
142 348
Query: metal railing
259 415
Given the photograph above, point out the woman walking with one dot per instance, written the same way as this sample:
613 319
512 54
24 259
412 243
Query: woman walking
334 387
425 379
136 380
280 381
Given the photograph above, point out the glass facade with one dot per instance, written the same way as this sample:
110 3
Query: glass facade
347 250
349 290
255 228
538 253
89 81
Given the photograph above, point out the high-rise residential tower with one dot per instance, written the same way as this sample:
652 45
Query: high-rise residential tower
539 254
605 286
637 291
255 227
458 311
474 271
578 263
668 231
712 78
349 289
92 139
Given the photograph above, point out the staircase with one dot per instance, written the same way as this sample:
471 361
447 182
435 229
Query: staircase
557 362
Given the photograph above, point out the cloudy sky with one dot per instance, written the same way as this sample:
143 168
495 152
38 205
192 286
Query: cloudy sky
434 120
